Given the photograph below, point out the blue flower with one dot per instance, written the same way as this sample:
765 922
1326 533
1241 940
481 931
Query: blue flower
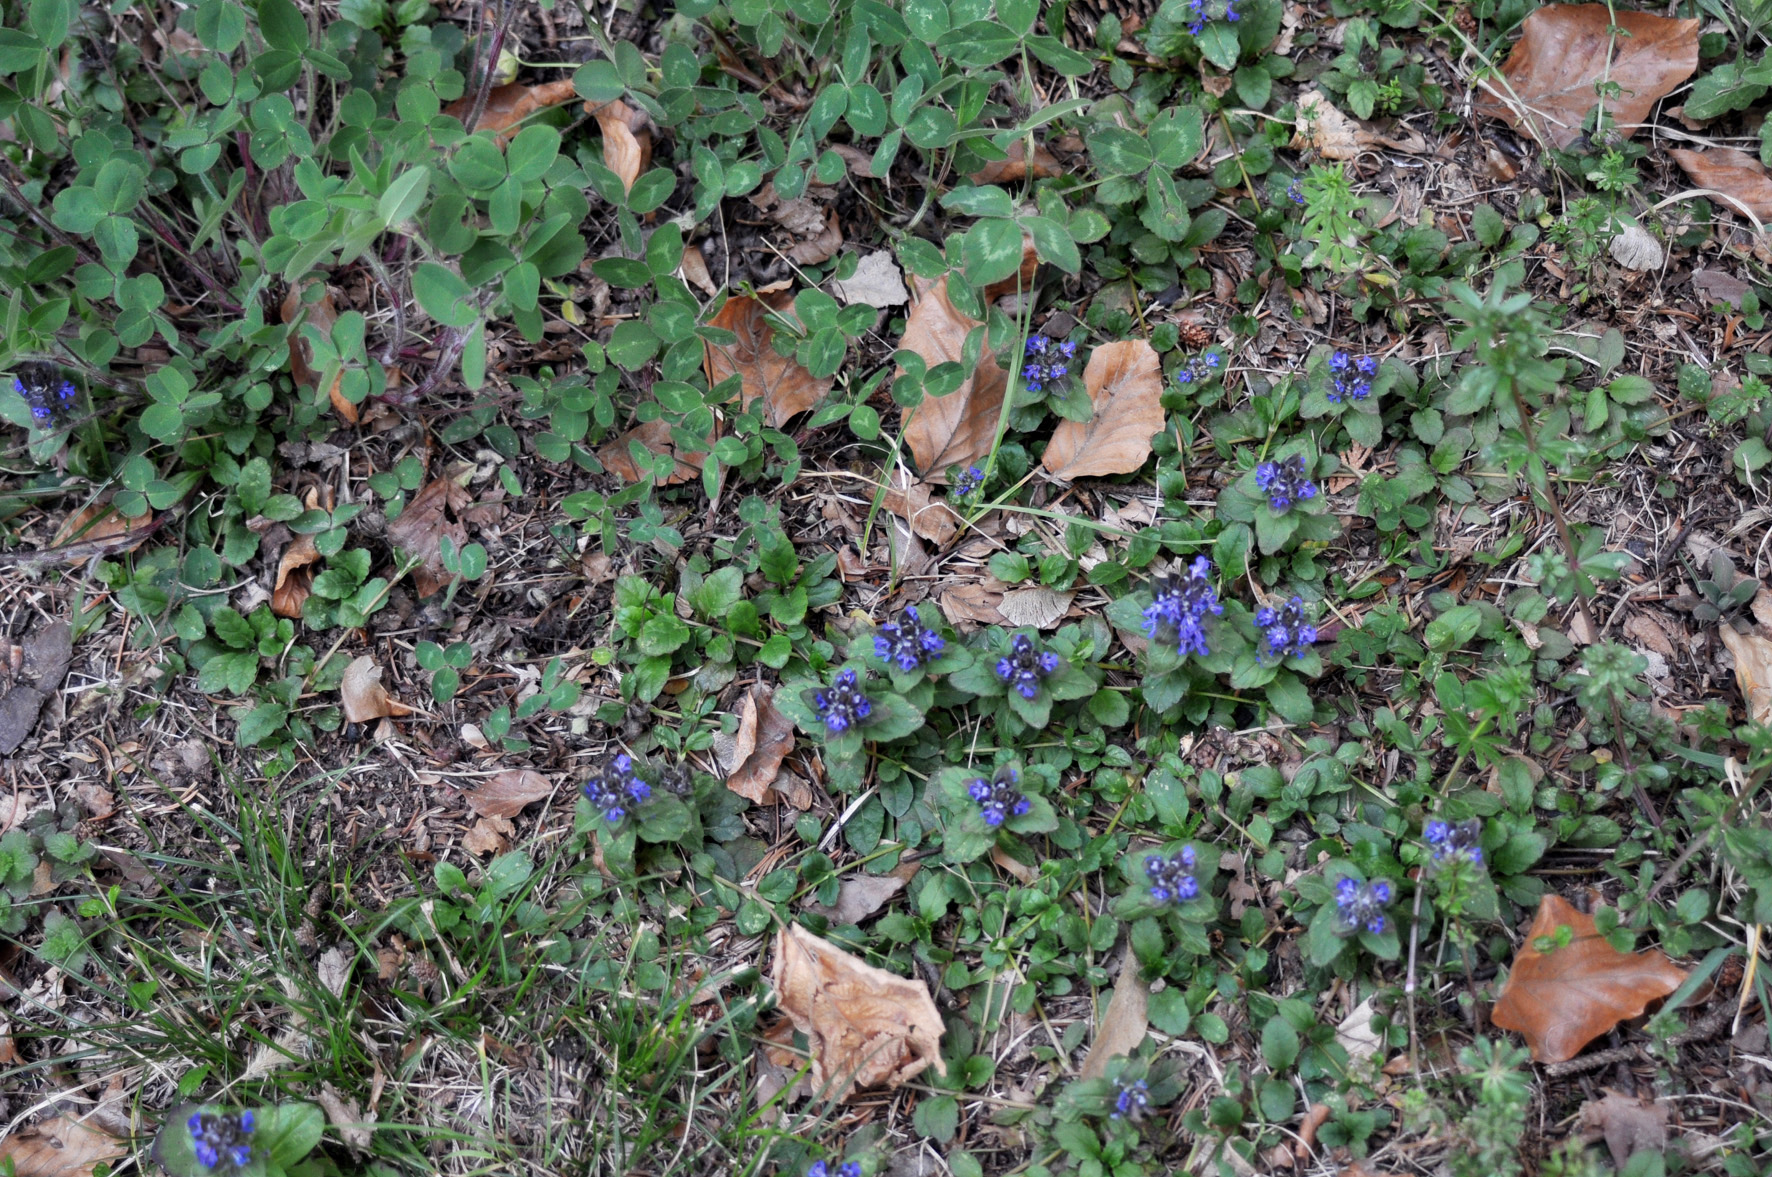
1130 1100
51 398
1046 362
907 643
614 790
222 1141
1286 630
1453 843
844 705
1179 605
846 1169
1361 905
968 482
1284 483
1172 879
1350 378
1025 666
999 797
1199 369
1295 191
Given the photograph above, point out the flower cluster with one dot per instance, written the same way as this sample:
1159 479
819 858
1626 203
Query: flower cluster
844 705
1199 369
1025 666
1285 482
1295 191
823 1169
1046 362
968 482
51 398
1131 1098
1361 905
1172 878
1350 378
1453 843
1286 630
908 643
999 797
614 790
221 1140
1201 12
1179 605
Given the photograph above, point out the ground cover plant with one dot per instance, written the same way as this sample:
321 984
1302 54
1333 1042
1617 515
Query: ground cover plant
939 586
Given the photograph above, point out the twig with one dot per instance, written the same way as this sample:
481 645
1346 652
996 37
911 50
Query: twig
1705 1027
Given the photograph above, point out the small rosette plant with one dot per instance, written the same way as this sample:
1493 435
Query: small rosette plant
1352 908
1277 654
1018 676
1181 614
910 648
984 808
848 711
624 803
210 1141
1348 385
1281 496
1131 1090
1169 901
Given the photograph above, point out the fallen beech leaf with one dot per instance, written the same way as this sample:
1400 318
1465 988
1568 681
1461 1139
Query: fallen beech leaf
786 387
294 581
956 429
505 794
1715 286
1637 249
1356 1035
859 896
694 269
508 105
627 146
765 737
1564 999
1034 608
1324 129
1753 671
1741 180
877 281
967 606
321 315
1562 52
60 1147
433 514
1016 167
103 525
1023 873
364 697
821 246
866 1026
490 835
930 518
655 436
1122 1027
1125 381
1627 1125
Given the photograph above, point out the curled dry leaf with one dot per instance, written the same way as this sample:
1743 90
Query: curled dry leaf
1716 286
1563 999
344 1114
930 518
507 106
1322 128
1036 608
784 385
694 269
627 144
765 737
968 606
101 527
363 696
866 1026
1125 382
1016 167
1122 1027
655 436
60 1147
504 794
1753 671
294 581
1627 1125
433 514
489 835
859 896
1547 85
956 429
1739 179
321 315
877 281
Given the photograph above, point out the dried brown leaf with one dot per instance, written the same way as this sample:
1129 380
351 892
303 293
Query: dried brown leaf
1125 382
930 518
508 105
785 386
321 315
866 1026
1122 1027
294 581
1563 999
1627 1125
626 151
45 656
60 1147
1550 75
1024 874
967 606
694 269
363 697
1322 128
1716 286
877 281
1016 166
959 428
655 436
819 246
859 896
1036 608
353 1126
103 525
504 794
489 835
1740 179
765 737
433 514
1753 670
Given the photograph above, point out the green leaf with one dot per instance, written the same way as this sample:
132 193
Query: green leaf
260 724
991 251
19 51
444 296
980 201
1052 241
978 44
1219 45
1177 136
288 1132
282 25
1119 152
1291 698
1279 1043
403 196
232 628
937 1118
49 20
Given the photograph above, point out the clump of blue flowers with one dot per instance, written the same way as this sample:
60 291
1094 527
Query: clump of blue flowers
1000 797
51 398
1179 606
1360 906
1285 632
1295 191
968 482
1201 11
222 1141
1026 667
843 705
908 643
823 1169
1172 879
1131 1098
1046 362
1455 843
614 791
1350 378
1199 369
1284 482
